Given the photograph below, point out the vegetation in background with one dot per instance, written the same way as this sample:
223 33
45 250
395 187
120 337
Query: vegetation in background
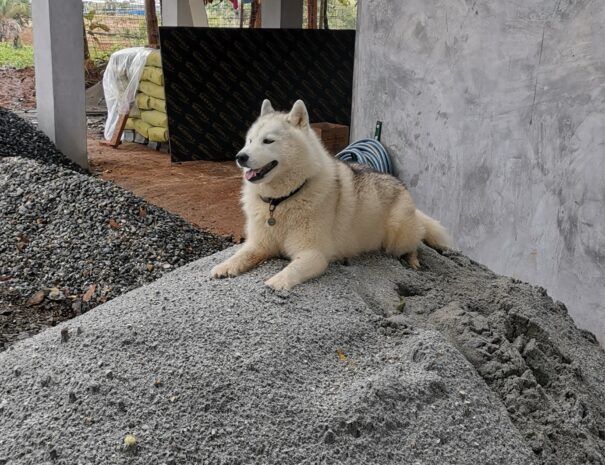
91 27
14 16
11 57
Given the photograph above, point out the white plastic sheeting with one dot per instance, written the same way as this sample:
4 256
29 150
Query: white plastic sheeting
120 83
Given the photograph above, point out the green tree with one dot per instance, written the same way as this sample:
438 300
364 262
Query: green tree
91 27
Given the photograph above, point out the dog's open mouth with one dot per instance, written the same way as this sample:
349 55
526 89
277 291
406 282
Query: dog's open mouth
256 175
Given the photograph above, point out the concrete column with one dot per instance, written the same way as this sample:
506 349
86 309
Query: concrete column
282 14
184 13
59 60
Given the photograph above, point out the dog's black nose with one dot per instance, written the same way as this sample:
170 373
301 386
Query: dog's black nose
242 158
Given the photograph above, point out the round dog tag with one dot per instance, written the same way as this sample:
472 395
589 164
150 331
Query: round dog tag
271 221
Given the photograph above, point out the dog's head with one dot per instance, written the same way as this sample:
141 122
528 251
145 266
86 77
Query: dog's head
277 146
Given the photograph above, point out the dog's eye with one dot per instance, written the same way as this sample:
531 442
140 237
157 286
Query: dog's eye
268 141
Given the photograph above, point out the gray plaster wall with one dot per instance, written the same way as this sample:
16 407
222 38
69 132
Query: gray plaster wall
59 64
495 113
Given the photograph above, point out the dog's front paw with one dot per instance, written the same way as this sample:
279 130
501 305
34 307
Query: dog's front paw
227 269
279 282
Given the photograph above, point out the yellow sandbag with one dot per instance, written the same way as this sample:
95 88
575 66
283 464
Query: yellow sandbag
157 104
134 112
143 101
155 118
142 127
130 123
154 59
158 134
153 74
152 89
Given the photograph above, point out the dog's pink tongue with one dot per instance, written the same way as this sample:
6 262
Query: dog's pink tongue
250 174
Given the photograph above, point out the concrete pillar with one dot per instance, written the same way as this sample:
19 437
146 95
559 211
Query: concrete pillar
59 60
282 14
184 13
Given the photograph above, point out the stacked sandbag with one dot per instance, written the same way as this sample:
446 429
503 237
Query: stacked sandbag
149 118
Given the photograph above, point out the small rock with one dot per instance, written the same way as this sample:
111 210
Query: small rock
130 441
45 381
109 374
72 397
77 307
329 437
55 294
64 335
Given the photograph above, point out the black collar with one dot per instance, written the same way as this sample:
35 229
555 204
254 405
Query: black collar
274 202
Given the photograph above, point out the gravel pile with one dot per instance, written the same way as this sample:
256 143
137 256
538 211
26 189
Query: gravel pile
70 241
372 363
19 138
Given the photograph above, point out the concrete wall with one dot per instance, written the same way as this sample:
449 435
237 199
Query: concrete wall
495 111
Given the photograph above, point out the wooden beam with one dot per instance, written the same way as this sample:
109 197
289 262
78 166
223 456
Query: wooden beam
151 18
116 137
311 14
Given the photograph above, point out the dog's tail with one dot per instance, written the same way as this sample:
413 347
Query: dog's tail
435 236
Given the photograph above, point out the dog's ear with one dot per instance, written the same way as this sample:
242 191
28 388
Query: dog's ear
298 115
266 108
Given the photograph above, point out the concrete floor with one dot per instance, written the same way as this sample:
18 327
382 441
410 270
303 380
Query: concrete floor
206 194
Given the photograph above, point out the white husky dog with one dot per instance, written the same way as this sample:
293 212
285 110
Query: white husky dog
304 204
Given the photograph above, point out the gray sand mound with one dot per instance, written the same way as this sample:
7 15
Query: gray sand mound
373 363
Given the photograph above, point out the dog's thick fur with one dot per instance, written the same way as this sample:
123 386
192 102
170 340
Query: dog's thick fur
341 211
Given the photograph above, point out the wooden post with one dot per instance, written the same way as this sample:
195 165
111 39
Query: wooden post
86 47
254 12
153 31
258 22
311 14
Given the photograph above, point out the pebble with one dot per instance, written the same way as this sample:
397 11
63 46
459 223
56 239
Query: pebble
130 441
65 212
329 437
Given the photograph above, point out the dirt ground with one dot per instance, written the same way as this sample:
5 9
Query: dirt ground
204 193
17 89
18 86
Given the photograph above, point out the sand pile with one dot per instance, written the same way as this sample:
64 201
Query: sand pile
372 363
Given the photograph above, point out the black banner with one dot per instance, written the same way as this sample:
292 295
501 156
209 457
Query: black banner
217 78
